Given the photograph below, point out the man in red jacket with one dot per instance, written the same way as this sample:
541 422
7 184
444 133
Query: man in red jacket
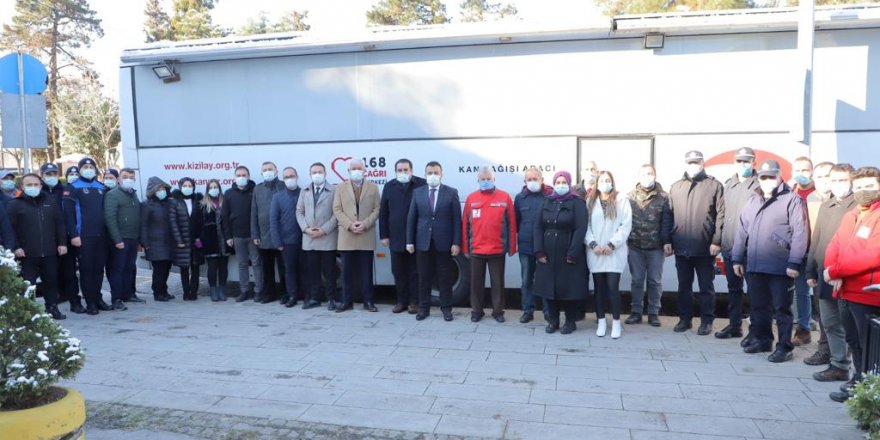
488 232
852 266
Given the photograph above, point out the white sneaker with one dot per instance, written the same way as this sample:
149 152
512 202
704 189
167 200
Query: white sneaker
615 329
603 326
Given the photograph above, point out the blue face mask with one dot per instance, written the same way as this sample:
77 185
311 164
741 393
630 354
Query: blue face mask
8 185
606 187
87 173
801 179
486 185
161 195
187 191
32 191
51 181
746 170
110 183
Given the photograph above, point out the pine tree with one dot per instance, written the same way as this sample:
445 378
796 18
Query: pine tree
157 25
192 20
293 21
407 13
482 10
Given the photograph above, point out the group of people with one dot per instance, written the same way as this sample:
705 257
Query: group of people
820 231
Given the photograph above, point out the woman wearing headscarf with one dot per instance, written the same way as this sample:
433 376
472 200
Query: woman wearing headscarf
188 208
561 273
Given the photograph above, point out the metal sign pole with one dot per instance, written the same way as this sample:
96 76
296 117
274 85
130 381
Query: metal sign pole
24 134
806 34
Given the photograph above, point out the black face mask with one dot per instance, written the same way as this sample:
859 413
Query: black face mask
866 197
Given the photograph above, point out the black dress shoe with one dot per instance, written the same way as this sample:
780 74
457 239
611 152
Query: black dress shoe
370 307
160 298
77 308
344 308
91 310
746 341
839 396
104 307
551 328
476 317
267 299
498 318
422 315
634 318
134 299
311 304
331 305
780 356
683 326
244 296
654 320
284 300
291 303
447 315
526 317
56 314
169 296
568 327
119 305
729 332
756 347
705 328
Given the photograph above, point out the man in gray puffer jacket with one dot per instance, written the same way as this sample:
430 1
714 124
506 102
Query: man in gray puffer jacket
262 234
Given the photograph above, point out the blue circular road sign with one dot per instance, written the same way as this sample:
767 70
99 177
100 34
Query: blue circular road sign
35 74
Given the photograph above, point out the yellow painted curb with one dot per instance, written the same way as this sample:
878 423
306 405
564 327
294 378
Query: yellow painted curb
48 422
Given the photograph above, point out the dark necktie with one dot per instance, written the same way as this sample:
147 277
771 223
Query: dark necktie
431 197
317 195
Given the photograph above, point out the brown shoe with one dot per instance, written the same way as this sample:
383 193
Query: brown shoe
413 310
398 308
818 358
801 337
831 374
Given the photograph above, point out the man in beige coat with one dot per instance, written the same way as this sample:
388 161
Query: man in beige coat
314 213
356 206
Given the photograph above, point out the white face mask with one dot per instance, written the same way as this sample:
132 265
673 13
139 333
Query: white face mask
693 169
356 175
241 181
840 189
214 192
403 177
128 183
534 186
290 183
590 177
268 176
647 182
767 186
318 179
433 180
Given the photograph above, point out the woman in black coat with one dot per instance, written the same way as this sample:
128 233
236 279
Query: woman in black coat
214 247
561 273
156 235
187 201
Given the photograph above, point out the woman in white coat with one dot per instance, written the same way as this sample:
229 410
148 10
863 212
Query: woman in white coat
610 224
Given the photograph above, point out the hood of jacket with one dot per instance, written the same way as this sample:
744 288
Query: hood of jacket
154 184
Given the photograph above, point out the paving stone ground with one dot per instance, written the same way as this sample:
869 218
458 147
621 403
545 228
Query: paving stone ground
202 370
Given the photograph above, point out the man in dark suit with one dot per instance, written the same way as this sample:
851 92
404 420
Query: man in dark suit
433 228
393 210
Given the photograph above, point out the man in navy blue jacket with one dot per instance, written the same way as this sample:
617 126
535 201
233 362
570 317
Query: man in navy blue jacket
525 206
433 228
287 234
83 202
772 242
393 210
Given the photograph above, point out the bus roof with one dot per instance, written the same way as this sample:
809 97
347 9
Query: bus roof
467 34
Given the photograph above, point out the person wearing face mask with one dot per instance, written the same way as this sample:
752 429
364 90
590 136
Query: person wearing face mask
356 207
852 266
157 235
38 226
8 186
651 231
738 189
834 350
83 208
122 215
214 247
526 205
770 250
68 263
314 213
394 208
488 232
110 178
187 215
260 231
50 172
236 211
433 234
697 202
803 185
591 171
822 182
287 234
561 273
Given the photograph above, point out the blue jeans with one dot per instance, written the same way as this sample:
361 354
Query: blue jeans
802 301
646 265
527 266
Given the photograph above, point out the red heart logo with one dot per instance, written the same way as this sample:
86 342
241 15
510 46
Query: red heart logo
343 161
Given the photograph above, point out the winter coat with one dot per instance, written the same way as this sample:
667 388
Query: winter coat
827 222
651 218
854 255
260 205
193 224
37 224
83 207
736 196
774 234
698 214
282 218
604 230
211 233
488 224
7 234
526 205
393 211
236 211
319 215
156 229
560 228
122 215
349 209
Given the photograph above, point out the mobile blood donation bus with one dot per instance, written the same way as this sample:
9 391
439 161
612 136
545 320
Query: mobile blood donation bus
622 92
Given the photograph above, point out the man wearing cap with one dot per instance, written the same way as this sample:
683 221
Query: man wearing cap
738 189
697 202
84 217
7 185
770 249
